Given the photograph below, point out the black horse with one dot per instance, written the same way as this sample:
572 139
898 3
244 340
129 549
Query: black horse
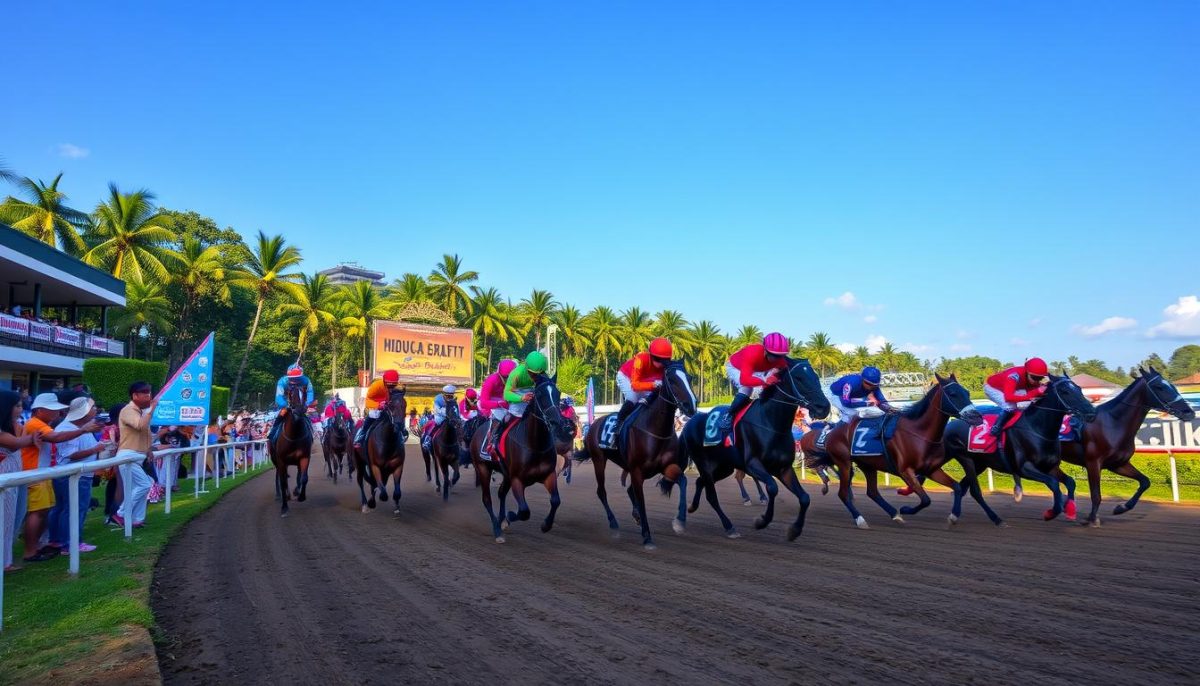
444 451
381 454
764 447
1031 448
292 446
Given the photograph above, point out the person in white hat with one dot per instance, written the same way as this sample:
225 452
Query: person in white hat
85 448
40 499
440 405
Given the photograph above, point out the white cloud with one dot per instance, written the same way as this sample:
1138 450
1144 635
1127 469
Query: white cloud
847 301
1109 325
1018 342
916 348
870 319
845 347
1035 322
73 152
875 342
960 347
1182 319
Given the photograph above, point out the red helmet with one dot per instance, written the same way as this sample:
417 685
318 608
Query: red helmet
661 347
776 343
295 371
391 376
1036 366
471 394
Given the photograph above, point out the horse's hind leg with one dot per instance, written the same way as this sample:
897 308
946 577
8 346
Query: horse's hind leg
599 463
758 486
1129 471
700 482
971 483
740 477
551 484
710 492
396 474
756 469
916 486
281 479
1050 482
1093 476
941 477
637 494
846 494
302 479
522 512
872 478
792 483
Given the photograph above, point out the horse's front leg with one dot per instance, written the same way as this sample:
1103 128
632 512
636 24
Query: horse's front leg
397 472
281 480
302 479
756 469
872 478
551 484
914 484
940 476
673 474
598 463
637 495
1032 472
792 483
522 513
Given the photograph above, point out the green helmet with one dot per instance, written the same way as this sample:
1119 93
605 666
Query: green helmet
536 362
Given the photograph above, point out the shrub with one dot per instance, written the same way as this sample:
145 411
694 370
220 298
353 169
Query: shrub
109 378
220 401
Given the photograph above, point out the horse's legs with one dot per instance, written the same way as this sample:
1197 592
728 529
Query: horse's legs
1131 472
522 513
281 479
674 474
396 474
599 463
755 468
1048 481
872 478
940 476
428 467
700 483
637 494
758 486
740 476
824 480
302 479
792 483
1069 482
846 494
361 493
910 479
710 492
501 495
971 482
484 477
551 484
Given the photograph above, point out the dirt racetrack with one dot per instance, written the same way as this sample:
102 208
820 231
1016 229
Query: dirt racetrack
331 596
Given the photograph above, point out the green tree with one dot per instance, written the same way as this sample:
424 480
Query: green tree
637 329
748 335
708 346
572 331
130 234
491 320
147 311
364 305
860 357
409 289
887 356
821 352
197 271
1153 360
1185 361
311 309
265 272
573 373
537 312
447 284
43 214
971 371
604 330
671 325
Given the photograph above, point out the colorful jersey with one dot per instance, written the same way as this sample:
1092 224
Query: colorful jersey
849 389
519 383
491 393
752 360
377 395
336 408
468 407
641 372
1012 380
281 388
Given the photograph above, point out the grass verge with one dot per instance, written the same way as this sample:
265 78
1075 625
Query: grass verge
64 629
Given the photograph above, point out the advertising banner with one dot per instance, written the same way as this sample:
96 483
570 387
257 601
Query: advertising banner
63 336
1168 435
186 397
424 354
14 325
39 331
96 343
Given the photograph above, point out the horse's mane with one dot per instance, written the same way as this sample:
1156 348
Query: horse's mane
1120 396
918 408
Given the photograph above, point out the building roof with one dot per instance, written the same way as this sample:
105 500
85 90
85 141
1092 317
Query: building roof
351 269
1089 381
65 280
1194 379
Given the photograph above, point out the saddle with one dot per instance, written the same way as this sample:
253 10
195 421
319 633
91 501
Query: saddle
980 438
613 439
712 425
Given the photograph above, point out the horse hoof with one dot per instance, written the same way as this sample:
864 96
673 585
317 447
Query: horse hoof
1002 524
504 522
383 497
732 533
649 547
747 502
678 526
302 497
1018 494
1120 509
904 490
760 523
396 511
861 522
762 501
952 520
499 539
371 503
793 533
898 519
524 515
546 526
365 509
825 490
1049 514
1095 523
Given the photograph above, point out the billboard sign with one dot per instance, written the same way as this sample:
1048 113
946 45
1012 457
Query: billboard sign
424 354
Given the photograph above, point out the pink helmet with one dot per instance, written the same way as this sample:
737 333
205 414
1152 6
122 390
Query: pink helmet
471 394
776 343
505 367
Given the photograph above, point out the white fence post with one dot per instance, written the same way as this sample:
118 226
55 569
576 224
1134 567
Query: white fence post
991 482
168 480
127 500
73 484
1174 477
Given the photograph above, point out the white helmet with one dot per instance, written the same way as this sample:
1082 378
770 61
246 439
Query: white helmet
449 388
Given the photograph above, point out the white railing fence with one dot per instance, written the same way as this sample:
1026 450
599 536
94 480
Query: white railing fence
254 456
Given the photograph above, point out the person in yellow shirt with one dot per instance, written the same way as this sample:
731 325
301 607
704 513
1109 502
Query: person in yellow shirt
377 396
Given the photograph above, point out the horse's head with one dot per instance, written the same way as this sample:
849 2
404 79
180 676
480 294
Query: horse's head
1065 394
1164 396
956 401
294 394
546 397
677 388
397 405
801 386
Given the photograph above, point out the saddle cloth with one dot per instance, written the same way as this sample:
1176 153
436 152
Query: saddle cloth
869 435
980 438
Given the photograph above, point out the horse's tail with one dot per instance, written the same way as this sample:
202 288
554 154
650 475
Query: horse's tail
666 486
817 460
581 455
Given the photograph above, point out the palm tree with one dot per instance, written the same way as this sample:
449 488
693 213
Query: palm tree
130 232
199 272
491 320
365 304
407 290
887 357
264 272
311 309
446 284
636 328
604 328
671 325
44 215
748 335
537 311
709 345
572 329
821 352
860 357
146 308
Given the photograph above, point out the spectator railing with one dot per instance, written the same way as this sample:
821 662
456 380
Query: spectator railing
37 335
255 455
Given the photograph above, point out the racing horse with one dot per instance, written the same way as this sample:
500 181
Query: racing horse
292 447
646 448
529 457
764 447
914 452
1108 442
334 445
444 451
1030 447
381 452
565 449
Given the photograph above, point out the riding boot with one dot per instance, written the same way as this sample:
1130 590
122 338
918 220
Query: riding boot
362 432
999 425
623 414
739 401
485 450
275 428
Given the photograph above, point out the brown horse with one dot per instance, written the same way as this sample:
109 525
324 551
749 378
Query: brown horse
292 447
334 445
914 452
1108 442
646 448
530 458
565 448
444 451
382 452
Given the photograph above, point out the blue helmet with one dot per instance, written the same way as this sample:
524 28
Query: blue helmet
872 375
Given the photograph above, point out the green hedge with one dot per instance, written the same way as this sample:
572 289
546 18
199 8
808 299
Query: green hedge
220 401
109 378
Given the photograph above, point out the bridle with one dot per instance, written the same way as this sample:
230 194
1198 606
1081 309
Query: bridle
1162 406
796 397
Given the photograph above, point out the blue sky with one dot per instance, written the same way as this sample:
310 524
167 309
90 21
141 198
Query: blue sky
993 178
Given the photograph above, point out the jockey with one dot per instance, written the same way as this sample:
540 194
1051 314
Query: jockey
753 368
334 408
1014 388
468 407
641 375
493 405
518 390
377 396
441 404
858 394
294 377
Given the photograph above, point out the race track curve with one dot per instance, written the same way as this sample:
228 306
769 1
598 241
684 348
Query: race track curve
331 595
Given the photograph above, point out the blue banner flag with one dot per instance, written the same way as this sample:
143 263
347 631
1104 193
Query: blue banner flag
591 400
187 396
